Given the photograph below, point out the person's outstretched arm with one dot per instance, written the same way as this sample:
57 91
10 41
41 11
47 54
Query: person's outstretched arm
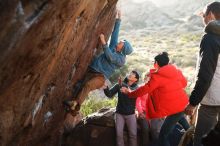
142 90
115 33
111 92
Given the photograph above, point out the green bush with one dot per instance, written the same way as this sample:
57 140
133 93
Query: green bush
93 104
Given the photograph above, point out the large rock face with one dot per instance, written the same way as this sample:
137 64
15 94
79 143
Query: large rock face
45 47
97 129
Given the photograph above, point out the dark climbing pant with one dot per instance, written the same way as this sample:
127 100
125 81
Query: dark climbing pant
208 117
145 131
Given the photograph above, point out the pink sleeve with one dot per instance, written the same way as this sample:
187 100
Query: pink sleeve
139 105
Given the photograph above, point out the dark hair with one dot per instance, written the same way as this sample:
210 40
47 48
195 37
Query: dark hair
162 59
137 76
213 7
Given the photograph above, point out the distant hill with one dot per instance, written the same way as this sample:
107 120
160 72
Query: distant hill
177 15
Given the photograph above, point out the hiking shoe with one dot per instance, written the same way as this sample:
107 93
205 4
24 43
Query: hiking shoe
74 112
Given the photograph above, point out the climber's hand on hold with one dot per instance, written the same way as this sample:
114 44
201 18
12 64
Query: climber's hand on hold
118 14
102 39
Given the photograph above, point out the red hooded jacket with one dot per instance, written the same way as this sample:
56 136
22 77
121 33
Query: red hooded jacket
166 92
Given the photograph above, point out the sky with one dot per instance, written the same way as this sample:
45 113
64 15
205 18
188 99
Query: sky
157 2
139 1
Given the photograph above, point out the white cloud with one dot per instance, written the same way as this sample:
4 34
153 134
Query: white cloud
157 2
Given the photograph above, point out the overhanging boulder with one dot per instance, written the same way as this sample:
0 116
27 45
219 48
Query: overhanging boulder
45 47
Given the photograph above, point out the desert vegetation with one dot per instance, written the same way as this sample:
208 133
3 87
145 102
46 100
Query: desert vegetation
177 32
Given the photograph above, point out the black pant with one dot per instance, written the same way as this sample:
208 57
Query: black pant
145 131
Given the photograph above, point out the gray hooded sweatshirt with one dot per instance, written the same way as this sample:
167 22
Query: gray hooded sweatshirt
207 88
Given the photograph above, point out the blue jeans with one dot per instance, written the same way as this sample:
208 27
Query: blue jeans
184 123
167 128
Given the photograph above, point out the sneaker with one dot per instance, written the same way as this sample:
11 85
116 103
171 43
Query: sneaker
72 104
73 112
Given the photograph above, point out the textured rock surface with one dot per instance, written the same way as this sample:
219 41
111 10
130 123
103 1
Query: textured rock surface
45 46
97 129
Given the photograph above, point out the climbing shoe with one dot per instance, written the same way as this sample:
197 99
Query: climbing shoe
72 104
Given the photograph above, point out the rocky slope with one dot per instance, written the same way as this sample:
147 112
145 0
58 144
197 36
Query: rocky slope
145 15
45 46
172 15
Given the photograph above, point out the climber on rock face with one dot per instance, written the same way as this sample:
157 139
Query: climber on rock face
102 67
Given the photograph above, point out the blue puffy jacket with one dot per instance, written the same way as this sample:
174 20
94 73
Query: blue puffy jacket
110 60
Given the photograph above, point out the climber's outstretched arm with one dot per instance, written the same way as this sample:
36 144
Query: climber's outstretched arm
115 33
